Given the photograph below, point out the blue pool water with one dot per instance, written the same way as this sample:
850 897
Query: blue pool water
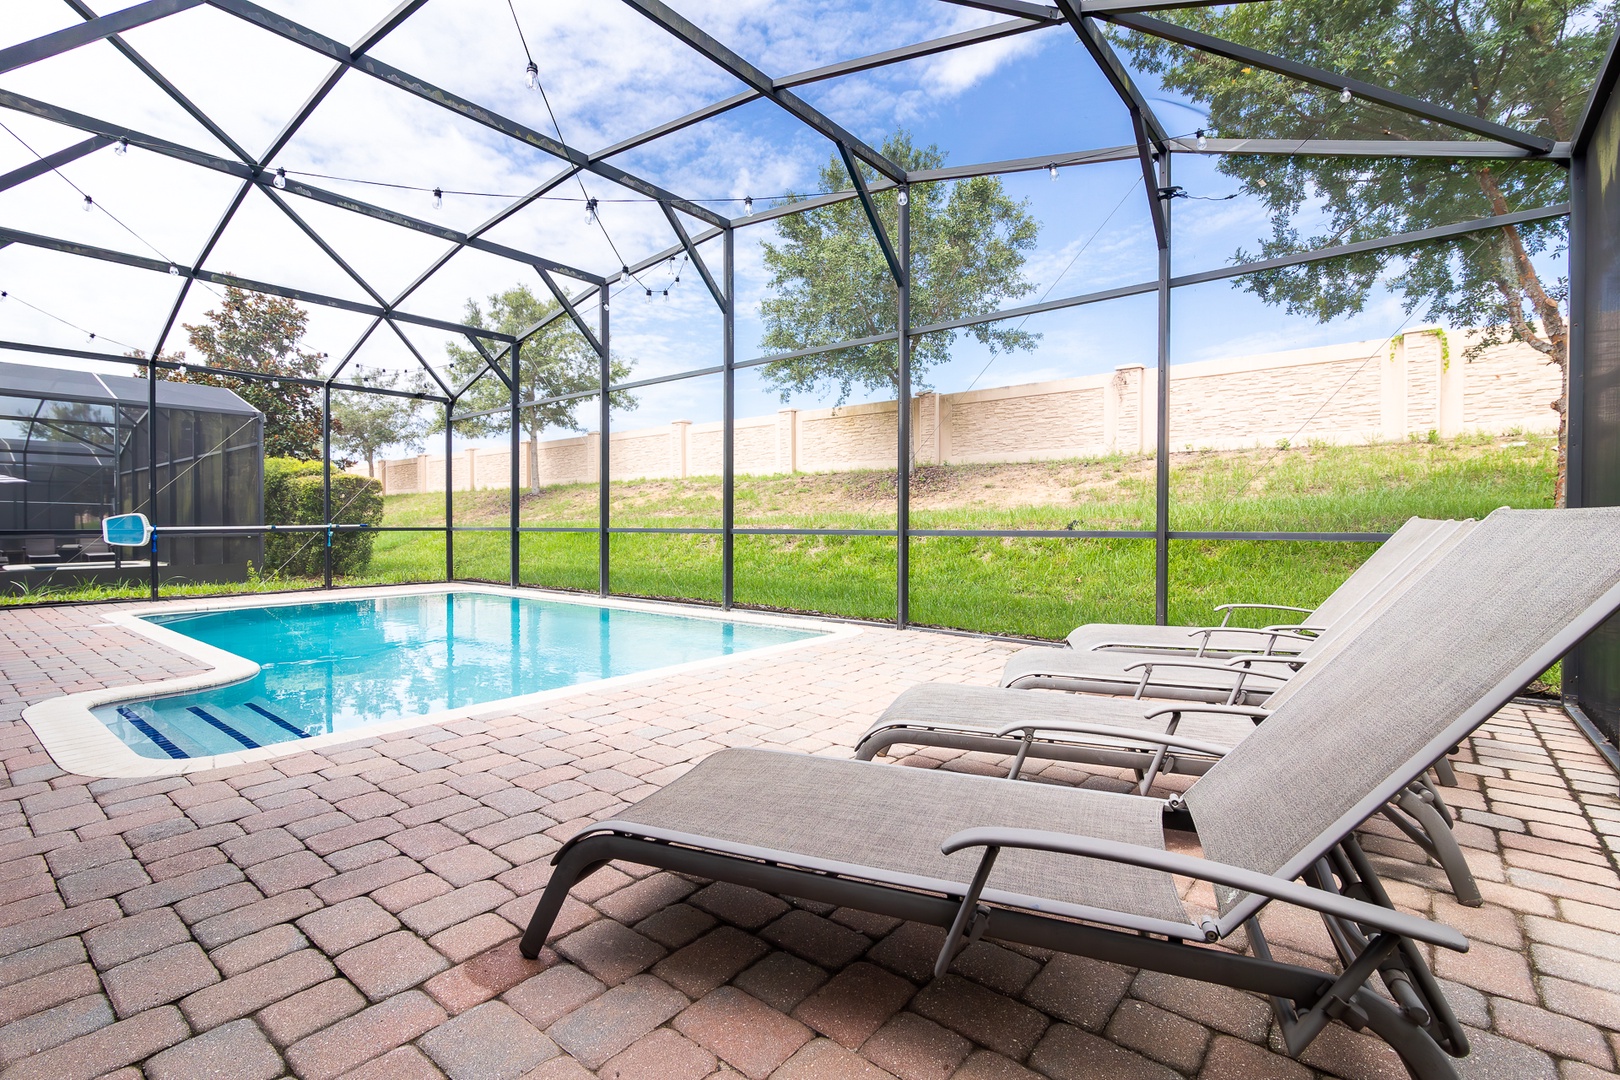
337 665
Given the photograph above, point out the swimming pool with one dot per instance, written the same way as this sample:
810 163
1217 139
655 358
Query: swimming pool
334 666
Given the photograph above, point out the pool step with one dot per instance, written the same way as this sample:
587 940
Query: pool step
189 732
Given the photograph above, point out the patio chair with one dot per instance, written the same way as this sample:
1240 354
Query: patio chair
1223 640
1023 862
1243 679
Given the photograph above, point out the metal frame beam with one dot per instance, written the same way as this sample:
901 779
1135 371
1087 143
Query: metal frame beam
879 231
49 45
52 162
697 260
719 55
444 99
1328 80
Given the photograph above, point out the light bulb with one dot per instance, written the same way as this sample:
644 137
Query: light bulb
88 203
174 271
121 147
531 76
280 179
92 337
1052 171
3 295
1345 95
1203 143
904 197
748 204
590 211
649 294
438 199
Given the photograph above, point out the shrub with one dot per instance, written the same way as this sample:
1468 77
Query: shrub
293 496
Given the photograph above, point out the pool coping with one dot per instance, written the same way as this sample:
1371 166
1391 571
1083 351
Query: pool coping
80 743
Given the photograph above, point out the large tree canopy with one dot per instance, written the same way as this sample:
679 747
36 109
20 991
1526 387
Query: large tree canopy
554 362
830 283
1526 63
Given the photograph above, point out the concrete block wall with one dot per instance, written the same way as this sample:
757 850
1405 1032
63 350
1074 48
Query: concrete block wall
1353 393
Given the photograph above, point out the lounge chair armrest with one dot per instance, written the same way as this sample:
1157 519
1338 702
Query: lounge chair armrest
1138 734
1302 629
1229 608
1253 712
1203 665
1242 662
1235 877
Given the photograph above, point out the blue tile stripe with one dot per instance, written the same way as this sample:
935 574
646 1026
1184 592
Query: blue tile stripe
162 740
276 720
222 726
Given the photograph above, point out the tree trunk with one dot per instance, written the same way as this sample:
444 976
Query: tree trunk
534 462
371 464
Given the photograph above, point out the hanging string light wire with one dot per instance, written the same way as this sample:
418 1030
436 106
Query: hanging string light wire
93 204
12 297
593 213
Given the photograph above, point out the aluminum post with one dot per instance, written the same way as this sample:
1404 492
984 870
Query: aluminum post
513 363
326 483
902 479
1161 462
728 424
606 369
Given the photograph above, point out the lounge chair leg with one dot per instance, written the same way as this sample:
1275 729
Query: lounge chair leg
1445 848
1445 773
1422 1056
577 865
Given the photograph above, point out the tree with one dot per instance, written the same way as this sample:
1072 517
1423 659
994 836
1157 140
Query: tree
363 424
830 282
1527 63
254 332
554 362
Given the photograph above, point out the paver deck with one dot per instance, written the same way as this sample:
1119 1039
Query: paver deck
355 912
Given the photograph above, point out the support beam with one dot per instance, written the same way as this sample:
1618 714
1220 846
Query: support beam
444 99
697 260
1329 80
1113 70
49 45
1161 446
902 476
142 262
728 424
52 162
569 309
254 174
516 447
681 27
604 462
1376 148
879 232
1020 8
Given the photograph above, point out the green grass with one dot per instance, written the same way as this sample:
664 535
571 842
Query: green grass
1030 587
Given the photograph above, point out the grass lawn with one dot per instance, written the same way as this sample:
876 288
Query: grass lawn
1031 587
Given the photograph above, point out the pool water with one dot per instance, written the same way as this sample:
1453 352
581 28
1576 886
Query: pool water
340 665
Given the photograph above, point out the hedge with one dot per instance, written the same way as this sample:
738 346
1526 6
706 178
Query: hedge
293 496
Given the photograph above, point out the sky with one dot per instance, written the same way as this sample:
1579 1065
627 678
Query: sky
607 73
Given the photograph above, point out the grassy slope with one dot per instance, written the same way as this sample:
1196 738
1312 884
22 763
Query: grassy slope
1034 587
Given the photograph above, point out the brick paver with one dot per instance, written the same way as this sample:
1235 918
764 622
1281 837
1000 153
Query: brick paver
355 910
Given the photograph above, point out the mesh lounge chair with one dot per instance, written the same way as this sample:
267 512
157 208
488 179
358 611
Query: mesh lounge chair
1247 679
1022 862
1223 641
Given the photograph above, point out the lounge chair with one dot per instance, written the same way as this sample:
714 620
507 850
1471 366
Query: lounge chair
1245 679
1224 640
1023 862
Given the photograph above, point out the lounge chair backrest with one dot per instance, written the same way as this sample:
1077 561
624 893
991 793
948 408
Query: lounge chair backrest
1417 562
1411 565
1346 599
1494 612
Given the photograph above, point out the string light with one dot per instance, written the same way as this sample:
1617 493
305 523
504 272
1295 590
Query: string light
1345 96
590 212
904 197
174 271
1052 170
438 199
121 147
1203 143
531 76
280 179
88 203
748 204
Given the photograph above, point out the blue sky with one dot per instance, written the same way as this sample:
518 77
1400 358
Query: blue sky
608 73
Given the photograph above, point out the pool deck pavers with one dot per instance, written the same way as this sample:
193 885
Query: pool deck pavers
355 912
